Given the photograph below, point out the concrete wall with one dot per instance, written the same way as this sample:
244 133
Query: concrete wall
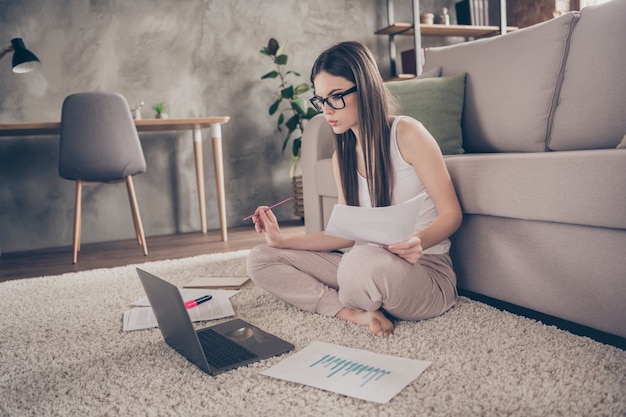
201 57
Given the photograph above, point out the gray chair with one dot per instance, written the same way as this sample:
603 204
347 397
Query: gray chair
100 144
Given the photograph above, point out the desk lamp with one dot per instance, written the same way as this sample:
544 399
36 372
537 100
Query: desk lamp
23 59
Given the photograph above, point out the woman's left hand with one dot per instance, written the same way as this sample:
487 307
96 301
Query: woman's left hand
410 250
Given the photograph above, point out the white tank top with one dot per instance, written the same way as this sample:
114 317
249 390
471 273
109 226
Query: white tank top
406 186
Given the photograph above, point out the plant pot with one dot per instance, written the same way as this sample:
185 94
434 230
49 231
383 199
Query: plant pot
298 196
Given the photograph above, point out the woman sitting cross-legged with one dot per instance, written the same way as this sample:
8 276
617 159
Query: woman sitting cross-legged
379 160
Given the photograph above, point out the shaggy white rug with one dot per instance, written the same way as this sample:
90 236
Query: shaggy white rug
63 353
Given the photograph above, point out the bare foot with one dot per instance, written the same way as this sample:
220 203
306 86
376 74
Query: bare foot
376 320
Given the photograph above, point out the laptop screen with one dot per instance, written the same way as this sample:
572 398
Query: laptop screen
173 318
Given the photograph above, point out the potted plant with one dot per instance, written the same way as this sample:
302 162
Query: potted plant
293 112
159 108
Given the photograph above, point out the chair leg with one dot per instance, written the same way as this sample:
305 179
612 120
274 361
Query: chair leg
77 219
141 237
133 204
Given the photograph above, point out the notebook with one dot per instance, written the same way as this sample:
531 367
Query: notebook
214 349
216 282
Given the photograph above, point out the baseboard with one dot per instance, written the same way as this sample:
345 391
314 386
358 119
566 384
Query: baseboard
575 328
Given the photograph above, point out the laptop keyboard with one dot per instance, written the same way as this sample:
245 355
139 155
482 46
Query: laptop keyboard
221 351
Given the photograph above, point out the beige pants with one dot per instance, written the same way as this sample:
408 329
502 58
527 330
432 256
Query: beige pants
367 278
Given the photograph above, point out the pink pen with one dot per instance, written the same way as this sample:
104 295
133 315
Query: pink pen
269 208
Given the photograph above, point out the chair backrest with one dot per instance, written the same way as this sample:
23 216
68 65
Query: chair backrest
99 141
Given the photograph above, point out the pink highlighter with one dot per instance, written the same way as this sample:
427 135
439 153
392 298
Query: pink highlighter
192 303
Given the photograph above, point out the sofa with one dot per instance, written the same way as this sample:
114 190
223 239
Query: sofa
540 166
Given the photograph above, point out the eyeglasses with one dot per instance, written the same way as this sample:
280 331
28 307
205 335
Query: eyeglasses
334 101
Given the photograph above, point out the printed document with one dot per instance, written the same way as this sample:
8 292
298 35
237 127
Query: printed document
376 225
353 372
142 317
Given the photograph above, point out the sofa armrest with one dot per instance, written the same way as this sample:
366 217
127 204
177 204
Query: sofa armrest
317 143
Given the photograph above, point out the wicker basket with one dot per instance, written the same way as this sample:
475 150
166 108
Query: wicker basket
298 196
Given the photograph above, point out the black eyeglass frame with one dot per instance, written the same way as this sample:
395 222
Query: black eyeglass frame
318 102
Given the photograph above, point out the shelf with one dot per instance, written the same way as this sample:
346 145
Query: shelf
467 31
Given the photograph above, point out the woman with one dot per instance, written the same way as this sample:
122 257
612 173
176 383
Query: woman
379 160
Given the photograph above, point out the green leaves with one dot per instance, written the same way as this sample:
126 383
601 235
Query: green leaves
310 113
271 74
296 110
159 107
281 60
288 93
293 123
299 106
302 88
275 105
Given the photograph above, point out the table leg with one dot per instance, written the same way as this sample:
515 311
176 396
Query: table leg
197 150
216 138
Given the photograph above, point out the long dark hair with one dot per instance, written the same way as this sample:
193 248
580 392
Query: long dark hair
354 62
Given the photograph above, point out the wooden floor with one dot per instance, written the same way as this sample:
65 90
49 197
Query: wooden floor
58 261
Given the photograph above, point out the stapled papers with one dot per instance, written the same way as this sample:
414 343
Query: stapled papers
141 315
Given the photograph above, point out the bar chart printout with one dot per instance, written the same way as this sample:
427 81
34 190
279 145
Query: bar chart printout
353 372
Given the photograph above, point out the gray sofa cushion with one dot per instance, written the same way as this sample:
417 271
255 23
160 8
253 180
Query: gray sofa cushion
591 113
508 96
579 187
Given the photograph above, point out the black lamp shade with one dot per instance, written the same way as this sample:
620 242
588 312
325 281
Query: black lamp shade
23 59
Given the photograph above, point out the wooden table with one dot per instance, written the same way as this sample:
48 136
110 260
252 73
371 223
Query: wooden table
195 124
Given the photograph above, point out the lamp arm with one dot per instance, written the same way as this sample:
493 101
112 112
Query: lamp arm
6 51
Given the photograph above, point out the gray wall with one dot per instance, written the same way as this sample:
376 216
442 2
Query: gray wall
199 56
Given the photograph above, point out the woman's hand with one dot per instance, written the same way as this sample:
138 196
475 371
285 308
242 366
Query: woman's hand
266 223
410 250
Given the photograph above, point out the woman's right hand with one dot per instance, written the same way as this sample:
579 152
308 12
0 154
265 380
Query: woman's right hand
266 223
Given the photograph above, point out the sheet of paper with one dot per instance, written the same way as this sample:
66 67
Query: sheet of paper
353 372
192 294
216 282
377 225
143 318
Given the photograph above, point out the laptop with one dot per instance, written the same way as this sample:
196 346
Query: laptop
214 349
